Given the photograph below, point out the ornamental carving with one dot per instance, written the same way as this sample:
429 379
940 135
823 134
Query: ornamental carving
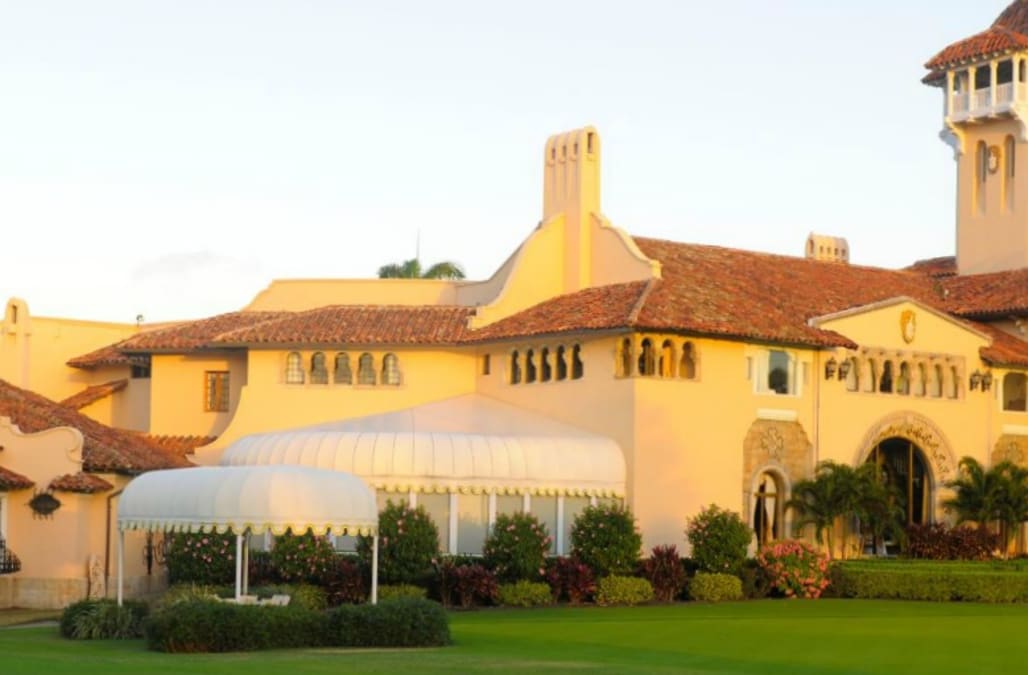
923 433
772 443
1011 448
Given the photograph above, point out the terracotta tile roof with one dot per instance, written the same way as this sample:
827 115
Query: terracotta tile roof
106 356
94 393
1005 350
357 324
599 308
10 480
1015 17
105 449
84 483
995 40
945 266
988 295
180 445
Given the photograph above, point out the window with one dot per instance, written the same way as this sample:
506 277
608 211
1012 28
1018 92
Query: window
577 367
624 358
544 365
294 368
853 376
562 364
981 171
667 359
486 365
885 384
515 367
778 367
903 381
530 366
215 395
1014 390
342 373
921 383
141 371
647 361
953 385
1009 156
366 369
319 371
872 375
391 370
687 367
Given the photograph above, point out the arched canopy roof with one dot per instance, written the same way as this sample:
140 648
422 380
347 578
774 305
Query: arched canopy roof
258 498
469 444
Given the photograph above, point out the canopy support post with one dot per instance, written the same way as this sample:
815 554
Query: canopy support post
121 566
239 567
374 570
246 563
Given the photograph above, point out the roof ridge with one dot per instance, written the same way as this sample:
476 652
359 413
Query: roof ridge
633 315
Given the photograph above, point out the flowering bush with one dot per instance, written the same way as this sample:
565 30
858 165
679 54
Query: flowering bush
719 539
201 558
570 579
605 538
517 546
796 569
665 571
407 542
938 542
302 557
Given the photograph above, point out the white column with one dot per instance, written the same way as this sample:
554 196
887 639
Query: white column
121 565
1015 81
526 503
558 536
453 523
239 566
593 501
246 563
374 569
972 90
993 82
412 499
492 510
950 84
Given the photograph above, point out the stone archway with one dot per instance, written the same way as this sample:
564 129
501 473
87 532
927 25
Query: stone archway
780 450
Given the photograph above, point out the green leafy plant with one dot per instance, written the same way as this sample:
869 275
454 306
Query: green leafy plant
302 557
405 622
570 579
103 620
665 572
719 539
516 547
605 538
201 558
212 626
408 542
344 582
618 590
998 494
525 594
934 581
795 569
715 587
394 592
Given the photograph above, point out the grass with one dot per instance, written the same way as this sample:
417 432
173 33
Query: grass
796 637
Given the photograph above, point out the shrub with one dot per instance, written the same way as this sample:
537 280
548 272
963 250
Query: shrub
305 596
939 582
261 568
617 590
405 622
211 626
938 542
185 592
756 585
343 582
525 594
201 558
570 579
719 539
302 557
708 587
408 541
517 546
795 569
474 584
395 592
103 620
665 572
605 538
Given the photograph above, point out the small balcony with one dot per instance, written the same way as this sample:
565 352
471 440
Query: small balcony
996 91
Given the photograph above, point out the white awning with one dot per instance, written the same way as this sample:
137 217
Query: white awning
255 498
470 444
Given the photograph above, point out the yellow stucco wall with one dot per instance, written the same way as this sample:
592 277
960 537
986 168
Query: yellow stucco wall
177 386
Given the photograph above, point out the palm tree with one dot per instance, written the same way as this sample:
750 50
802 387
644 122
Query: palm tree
820 502
1011 504
411 269
976 490
880 507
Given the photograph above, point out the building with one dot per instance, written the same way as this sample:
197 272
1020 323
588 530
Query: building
596 365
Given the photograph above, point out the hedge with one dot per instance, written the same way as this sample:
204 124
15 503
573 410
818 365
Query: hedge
933 581
615 590
103 620
715 587
405 622
525 594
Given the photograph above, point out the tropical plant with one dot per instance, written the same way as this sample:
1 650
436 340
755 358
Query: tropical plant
665 572
719 539
411 269
998 494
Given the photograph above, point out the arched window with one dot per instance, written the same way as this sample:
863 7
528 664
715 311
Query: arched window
768 509
1010 171
853 376
872 376
515 367
530 374
624 358
687 366
935 389
546 373
953 385
366 369
391 370
885 384
1014 389
647 362
342 373
667 359
921 383
294 368
562 364
319 371
577 368
903 381
981 165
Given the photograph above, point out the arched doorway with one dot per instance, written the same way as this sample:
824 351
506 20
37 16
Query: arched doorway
768 517
903 464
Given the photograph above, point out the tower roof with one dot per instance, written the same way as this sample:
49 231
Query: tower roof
1009 32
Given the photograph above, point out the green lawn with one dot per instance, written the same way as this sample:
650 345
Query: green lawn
825 636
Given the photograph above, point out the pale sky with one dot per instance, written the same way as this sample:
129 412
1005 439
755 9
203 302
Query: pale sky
170 158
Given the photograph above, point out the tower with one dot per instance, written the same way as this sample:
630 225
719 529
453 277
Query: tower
985 90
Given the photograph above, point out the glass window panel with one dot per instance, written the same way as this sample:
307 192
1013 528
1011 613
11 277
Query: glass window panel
545 509
509 504
438 507
346 543
472 523
573 506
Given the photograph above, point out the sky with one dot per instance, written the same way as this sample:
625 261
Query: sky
169 159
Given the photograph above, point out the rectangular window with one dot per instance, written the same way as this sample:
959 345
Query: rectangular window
472 523
486 366
438 508
215 395
545 509
141 371
573 507
778 366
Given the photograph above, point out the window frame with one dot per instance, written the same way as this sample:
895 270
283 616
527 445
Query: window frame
217 391
1024 391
